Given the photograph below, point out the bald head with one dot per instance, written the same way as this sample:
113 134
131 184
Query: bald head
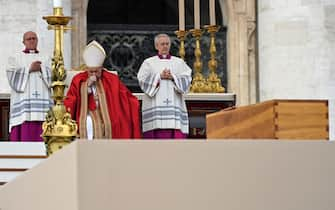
30 40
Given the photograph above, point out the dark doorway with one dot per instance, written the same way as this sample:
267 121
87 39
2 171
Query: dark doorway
4 116
126 30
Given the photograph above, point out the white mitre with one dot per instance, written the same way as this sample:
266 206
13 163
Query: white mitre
94 54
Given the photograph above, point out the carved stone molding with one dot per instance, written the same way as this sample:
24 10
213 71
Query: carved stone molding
252 62
79 32
241 49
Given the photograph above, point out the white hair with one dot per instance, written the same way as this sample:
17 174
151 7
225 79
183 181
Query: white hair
159 36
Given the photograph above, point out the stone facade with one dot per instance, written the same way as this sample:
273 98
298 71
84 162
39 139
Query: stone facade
284 50
296 49
242 50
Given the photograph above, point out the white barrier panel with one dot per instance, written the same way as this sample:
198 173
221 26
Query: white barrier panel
17 157
179 175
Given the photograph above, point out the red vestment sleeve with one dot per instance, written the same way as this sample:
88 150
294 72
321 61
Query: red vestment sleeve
71 99
131 111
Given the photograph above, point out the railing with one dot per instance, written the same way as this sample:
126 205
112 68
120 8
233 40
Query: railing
128 45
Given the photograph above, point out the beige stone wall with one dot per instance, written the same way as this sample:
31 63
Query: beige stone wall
79 34
296 49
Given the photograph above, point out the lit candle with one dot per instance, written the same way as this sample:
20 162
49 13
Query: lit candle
181 6
57 3
212 12
196 14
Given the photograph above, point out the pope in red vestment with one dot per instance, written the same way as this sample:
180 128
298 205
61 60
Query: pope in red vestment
101 104
123 106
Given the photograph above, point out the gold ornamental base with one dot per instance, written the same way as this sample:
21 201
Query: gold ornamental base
57 143
199 84
214 84
58 129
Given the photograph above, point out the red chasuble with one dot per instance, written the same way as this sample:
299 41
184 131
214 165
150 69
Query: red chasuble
123 106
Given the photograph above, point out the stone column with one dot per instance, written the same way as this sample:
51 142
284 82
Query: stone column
242 54
79 32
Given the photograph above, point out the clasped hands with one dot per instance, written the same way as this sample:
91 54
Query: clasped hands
166 74
91 80
35 66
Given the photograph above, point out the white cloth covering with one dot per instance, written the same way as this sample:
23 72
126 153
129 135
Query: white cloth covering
163 106
30 92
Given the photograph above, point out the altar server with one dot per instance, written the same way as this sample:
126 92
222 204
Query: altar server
164 79
29 76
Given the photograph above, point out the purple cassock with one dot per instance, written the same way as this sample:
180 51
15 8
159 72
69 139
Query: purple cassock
27 131
164 134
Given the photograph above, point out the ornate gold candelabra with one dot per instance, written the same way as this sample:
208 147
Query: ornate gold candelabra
58 128
213 81
198 82
181 36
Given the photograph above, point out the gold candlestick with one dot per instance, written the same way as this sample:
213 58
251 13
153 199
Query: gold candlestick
198 82
181 36
58 128
213 81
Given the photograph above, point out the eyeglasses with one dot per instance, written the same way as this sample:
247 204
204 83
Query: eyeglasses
31 38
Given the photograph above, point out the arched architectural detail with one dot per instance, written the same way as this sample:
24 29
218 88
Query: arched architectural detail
240 17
